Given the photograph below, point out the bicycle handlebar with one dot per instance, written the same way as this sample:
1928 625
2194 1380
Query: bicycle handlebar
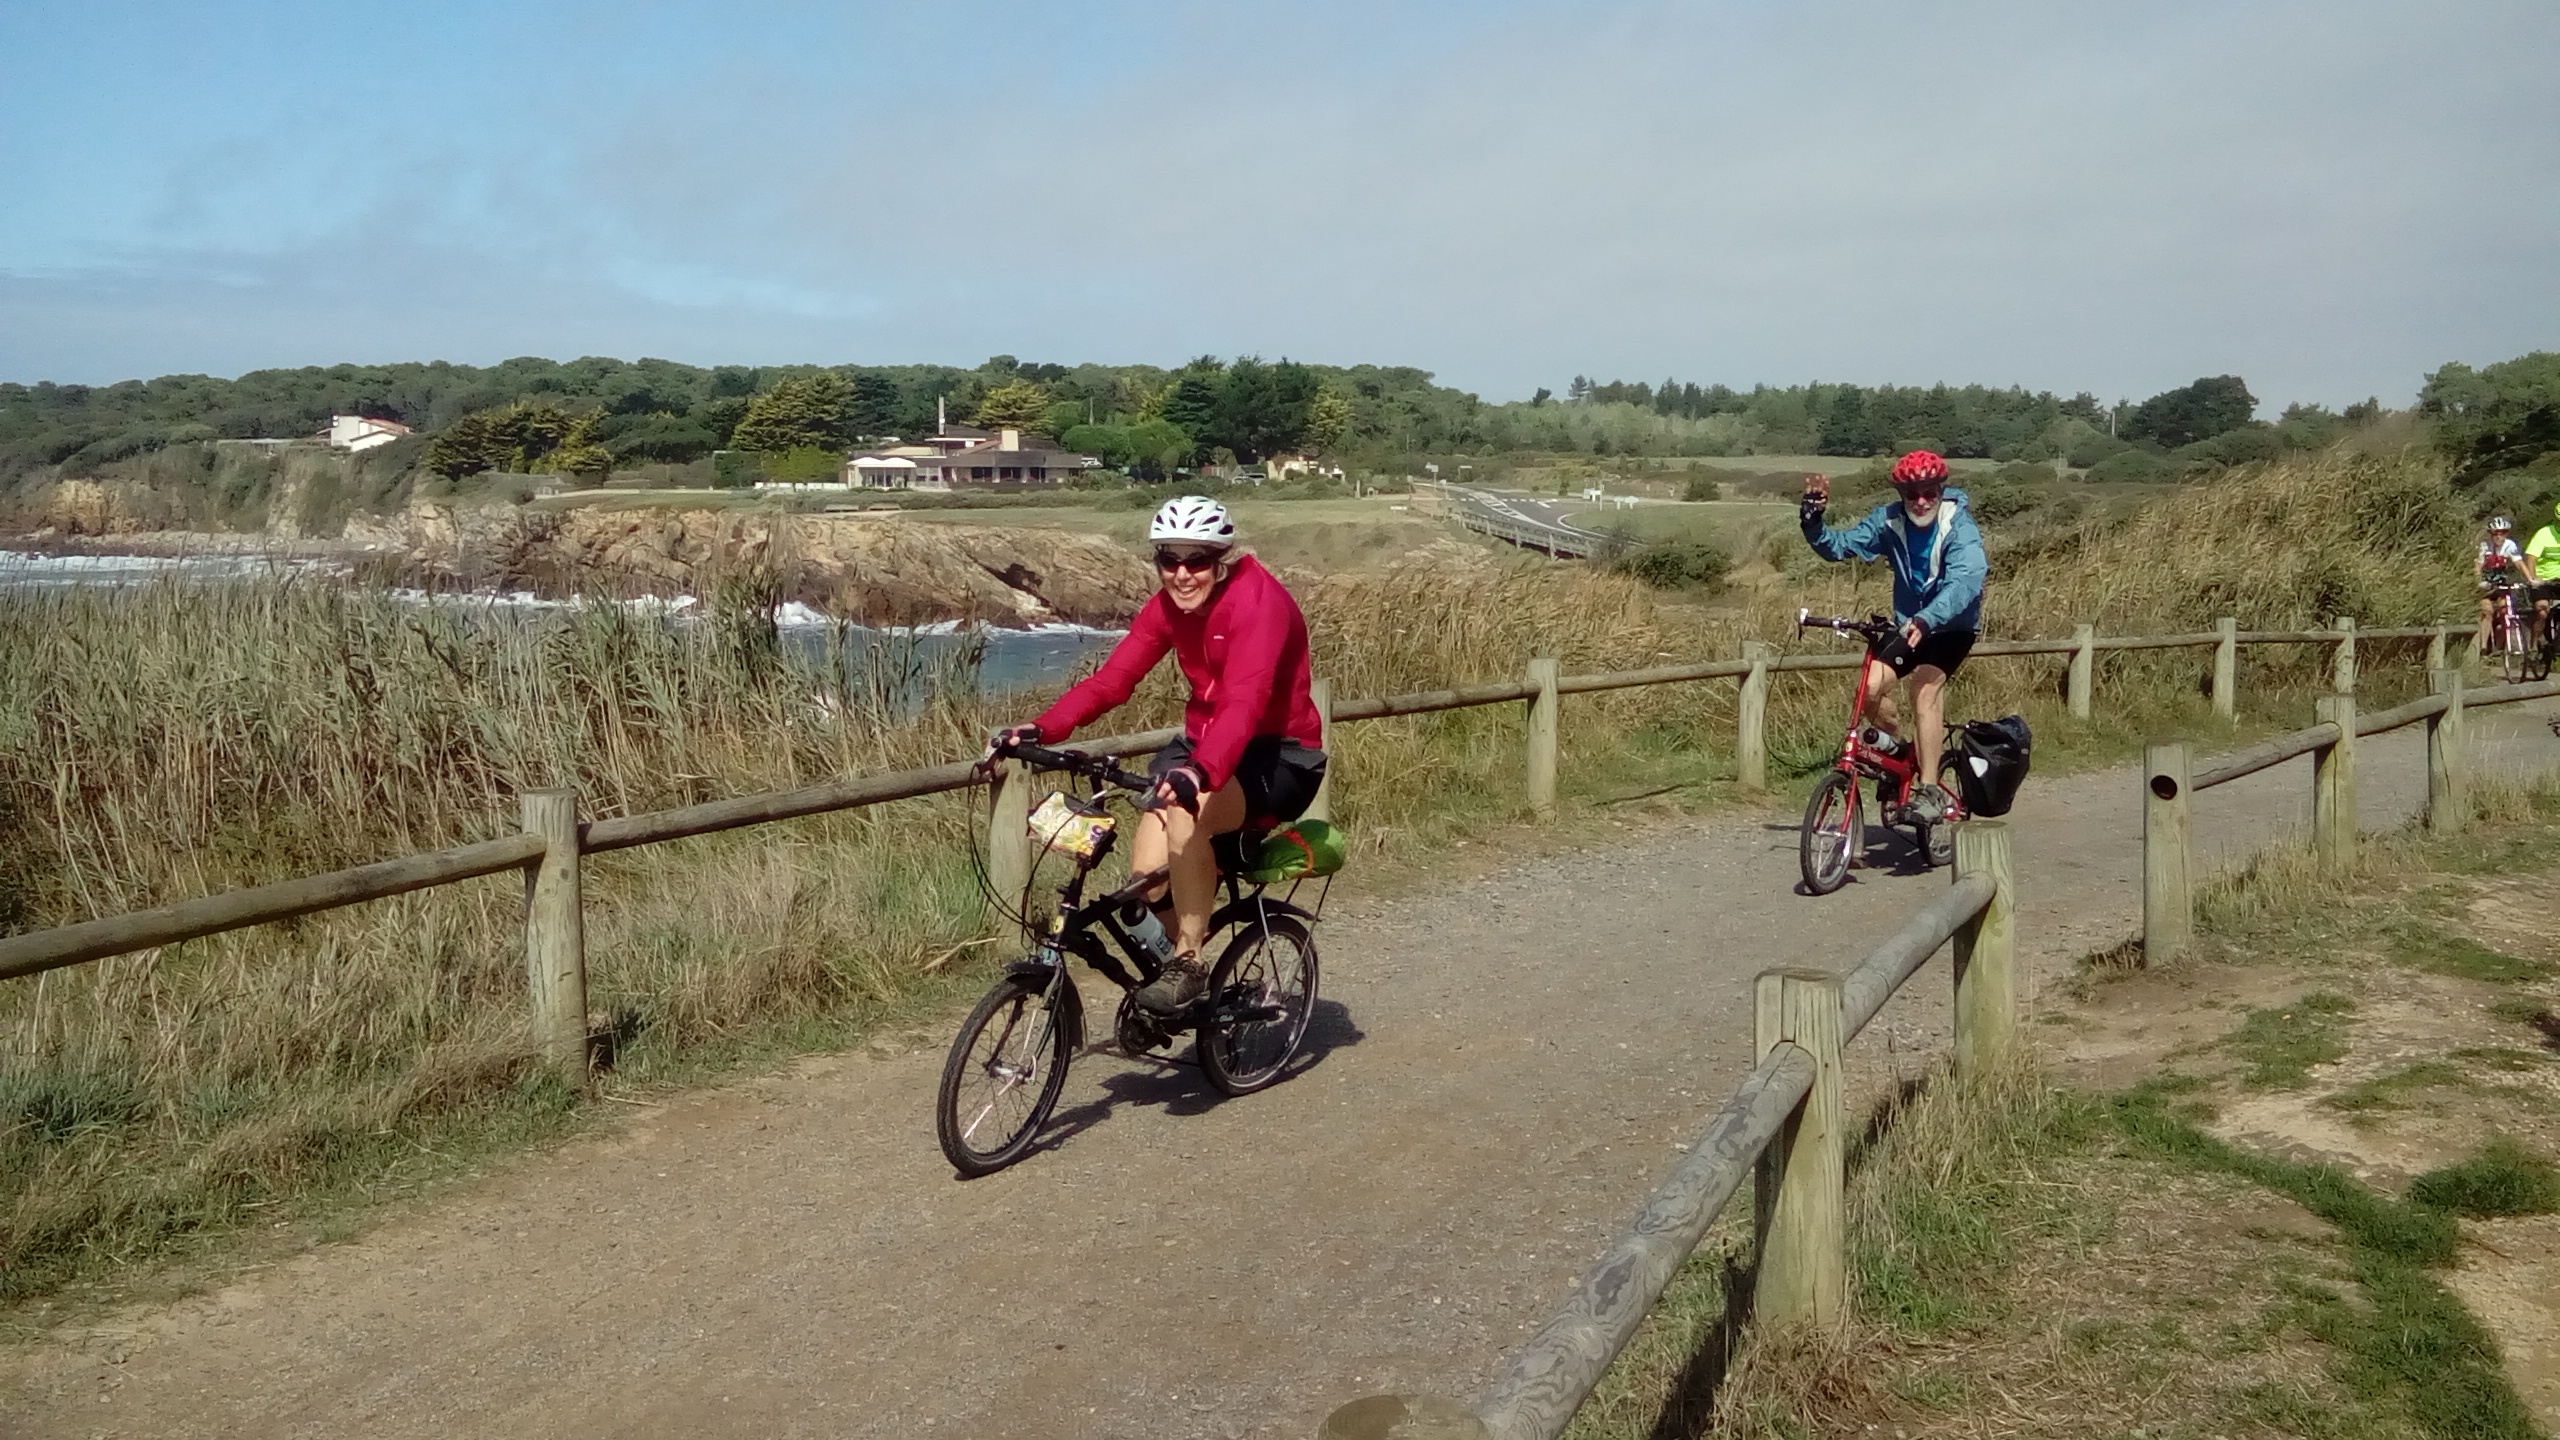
1875 629
1094 767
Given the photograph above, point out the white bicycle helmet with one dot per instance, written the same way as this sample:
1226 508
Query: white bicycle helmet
1194 518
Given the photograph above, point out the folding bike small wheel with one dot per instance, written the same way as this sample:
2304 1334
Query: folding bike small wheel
1834 832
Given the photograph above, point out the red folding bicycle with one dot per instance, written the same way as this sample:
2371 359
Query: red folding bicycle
1834 835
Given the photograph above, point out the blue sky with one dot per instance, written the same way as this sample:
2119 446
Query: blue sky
2327 198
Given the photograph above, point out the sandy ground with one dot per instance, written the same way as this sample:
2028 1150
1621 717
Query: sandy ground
1501 1072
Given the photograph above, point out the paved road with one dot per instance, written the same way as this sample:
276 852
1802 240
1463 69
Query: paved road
1524 520
1505 1068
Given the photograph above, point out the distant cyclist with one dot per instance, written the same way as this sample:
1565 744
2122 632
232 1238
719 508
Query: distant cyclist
2542 552
1247 754
2500 560
1938 571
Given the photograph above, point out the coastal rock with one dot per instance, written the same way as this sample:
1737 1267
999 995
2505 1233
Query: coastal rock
877 569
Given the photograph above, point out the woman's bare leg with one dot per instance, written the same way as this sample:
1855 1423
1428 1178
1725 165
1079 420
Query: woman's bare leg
1174 836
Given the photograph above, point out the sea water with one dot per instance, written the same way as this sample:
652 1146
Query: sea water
1038 658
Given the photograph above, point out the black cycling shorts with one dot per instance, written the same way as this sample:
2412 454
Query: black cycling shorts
1945 649
1279 777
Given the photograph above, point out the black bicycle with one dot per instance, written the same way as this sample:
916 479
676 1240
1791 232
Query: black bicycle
1009 1061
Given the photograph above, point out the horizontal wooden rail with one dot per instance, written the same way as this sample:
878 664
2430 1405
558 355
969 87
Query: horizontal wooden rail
234 909
1549 1375
2318 737
2259 757
1423 702
192 919
1554 1371
1658 675
2156 642
1864 991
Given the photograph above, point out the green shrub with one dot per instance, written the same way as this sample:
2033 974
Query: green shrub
1677 566
2130 464
2503 1179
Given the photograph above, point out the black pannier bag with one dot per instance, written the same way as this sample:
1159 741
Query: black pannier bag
1991 763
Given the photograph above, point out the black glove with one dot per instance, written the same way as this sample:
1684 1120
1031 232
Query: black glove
1006 740
1185 782
1811 507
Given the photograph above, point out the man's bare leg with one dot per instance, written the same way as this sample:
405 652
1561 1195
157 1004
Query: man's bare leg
1929 709
1880 707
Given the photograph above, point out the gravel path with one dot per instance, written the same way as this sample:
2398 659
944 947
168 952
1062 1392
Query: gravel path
1502 1071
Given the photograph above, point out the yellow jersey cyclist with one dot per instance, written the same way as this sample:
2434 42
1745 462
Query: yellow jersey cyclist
2542 553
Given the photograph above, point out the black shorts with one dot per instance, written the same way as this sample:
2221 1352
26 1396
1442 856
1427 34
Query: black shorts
1945 649
1279 777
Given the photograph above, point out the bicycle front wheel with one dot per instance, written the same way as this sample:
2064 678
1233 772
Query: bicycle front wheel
1002 1078
1263 992
2511 663
1833 831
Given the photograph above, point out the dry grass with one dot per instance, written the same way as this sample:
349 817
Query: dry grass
176 740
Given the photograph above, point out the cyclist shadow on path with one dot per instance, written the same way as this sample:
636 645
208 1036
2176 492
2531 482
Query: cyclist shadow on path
1173 1083
1890 852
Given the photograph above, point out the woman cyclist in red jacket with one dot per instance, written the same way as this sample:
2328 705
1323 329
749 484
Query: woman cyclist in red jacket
1248 752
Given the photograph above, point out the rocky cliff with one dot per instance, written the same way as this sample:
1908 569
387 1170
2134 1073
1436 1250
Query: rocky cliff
881 569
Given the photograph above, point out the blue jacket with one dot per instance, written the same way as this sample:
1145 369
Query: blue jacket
1937 572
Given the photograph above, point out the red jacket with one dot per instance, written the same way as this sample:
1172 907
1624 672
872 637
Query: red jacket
1245 654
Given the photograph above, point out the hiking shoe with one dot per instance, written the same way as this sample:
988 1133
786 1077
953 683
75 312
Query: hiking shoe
1172 991
1928 805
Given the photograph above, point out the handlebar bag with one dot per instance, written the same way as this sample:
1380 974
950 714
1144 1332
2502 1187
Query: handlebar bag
1991 763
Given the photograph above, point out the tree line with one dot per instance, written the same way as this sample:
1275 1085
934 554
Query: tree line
598 413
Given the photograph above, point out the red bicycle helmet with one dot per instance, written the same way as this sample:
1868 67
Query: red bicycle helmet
1919 467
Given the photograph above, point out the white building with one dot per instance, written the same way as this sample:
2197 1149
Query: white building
361 432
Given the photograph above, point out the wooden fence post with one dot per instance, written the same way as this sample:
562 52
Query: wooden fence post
1544 672
2342 673
2435 651
1803 1212
1009 834
1321 692
2448 798
2333 786
2226 669
555 933
1986 952
1751 741
2168 900
2084 668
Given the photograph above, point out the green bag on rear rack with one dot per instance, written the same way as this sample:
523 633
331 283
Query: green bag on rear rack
1296 851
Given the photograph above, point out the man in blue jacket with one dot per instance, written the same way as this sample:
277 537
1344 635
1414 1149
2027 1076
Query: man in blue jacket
1938 568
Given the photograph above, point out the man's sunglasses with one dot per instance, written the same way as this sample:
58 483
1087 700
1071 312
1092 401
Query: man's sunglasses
1921 492
1198 562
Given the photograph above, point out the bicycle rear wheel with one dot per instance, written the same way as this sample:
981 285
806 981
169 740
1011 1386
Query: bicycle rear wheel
1263 992
1833 833
1002 1077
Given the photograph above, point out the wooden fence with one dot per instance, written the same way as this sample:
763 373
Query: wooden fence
1786 1117
548 849
2168 786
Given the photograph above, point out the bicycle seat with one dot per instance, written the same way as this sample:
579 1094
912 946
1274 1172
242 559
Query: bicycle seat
1232 847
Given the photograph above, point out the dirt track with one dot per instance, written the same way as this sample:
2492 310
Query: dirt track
1501 1072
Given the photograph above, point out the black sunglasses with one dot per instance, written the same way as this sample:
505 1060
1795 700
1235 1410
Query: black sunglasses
1198 562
